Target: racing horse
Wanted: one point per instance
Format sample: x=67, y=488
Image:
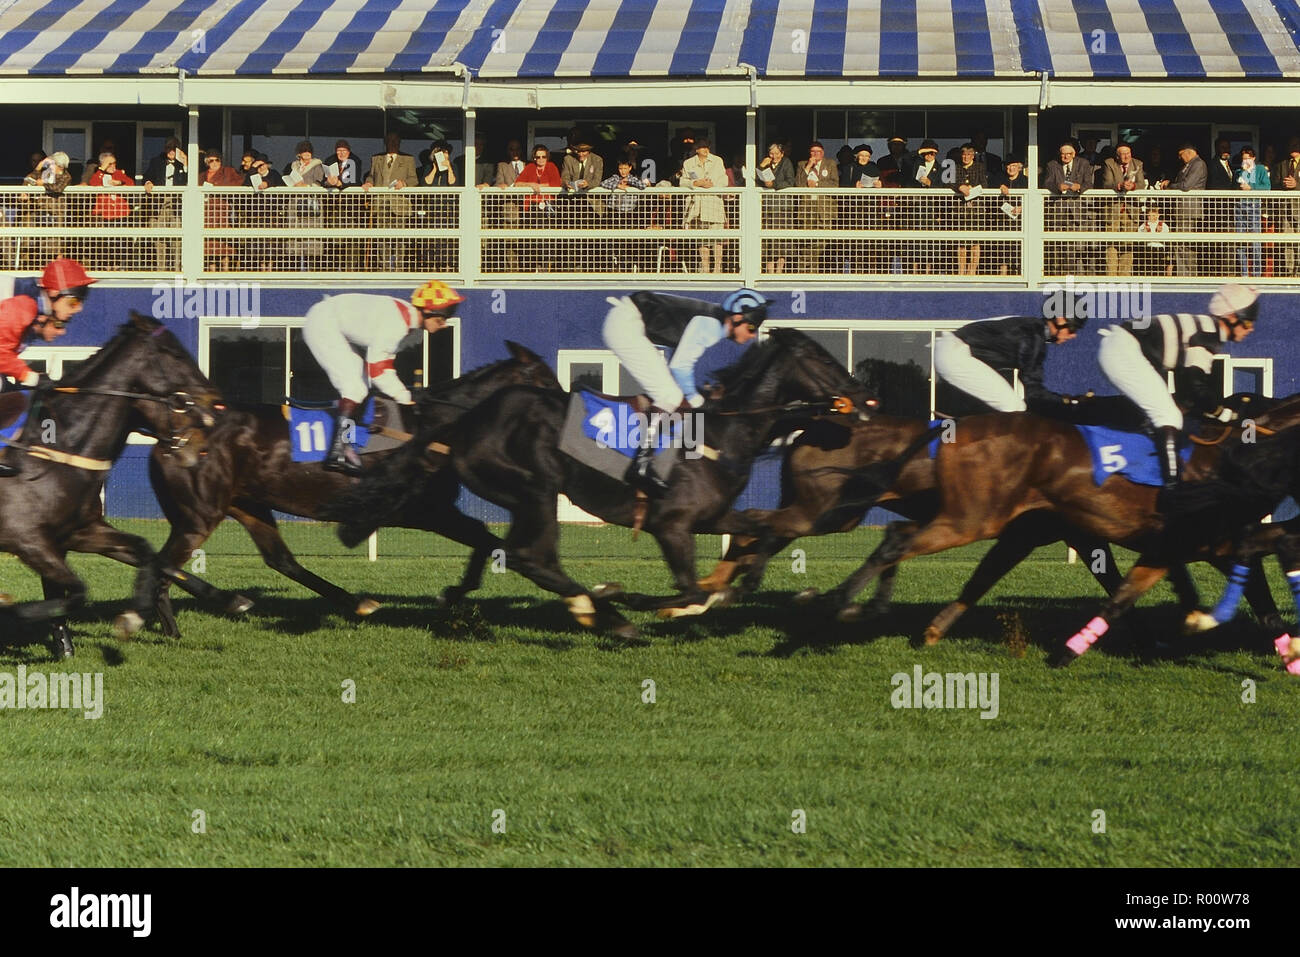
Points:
x=141, y=379
x=249, y=472
x=1001, y=466
x=507, y=451
x=813, y=476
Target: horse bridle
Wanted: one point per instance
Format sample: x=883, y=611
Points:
x=180, y=406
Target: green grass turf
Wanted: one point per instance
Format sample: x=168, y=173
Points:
x=761, y=709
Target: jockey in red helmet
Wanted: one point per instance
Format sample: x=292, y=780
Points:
x=63, y=288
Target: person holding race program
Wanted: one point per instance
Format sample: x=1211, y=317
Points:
x=60, y=295
x=337, y=325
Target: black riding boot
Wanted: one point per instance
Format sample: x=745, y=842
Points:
x=1167, y=449
x=640, y=474
x=342, y=457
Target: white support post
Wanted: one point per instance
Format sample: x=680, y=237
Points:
x=751, y=208
x=372, y=547
x=192, y=206
x=471, y=234
x=1031, y=244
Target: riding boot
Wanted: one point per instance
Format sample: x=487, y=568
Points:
x=1167, y=450
x=640, y=473
x=342, y=457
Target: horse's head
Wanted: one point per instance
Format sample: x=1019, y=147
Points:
x=790, y=367
x=530, y=368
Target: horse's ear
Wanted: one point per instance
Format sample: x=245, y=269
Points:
x=142, y=322
x=522, y=353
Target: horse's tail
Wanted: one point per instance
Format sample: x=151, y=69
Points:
x=865, y=485
x=388, y=488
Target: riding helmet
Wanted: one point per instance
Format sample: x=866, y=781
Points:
x=436, y=296
x=749, y=303
x=1235, y=299
x=65, y=277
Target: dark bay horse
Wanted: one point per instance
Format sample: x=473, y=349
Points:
x=1002, y=466
x=249, y=472
x=507, y=451
x=142, y=378
x=813, y=477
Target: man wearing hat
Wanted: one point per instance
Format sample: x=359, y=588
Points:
x=343, y=171
x=1137, y=355
x=582, y=170
x=1066, y=178
x=891, y=166
x=861, y=172
x=391, y=169
x=922, y=171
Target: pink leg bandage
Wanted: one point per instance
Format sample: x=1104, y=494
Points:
x=1283, y=646
x=1088, y=634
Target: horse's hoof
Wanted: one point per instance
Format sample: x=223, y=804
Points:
x=606, y=590
x=238, y=604
x=1198, y=621
x=726, y=597
x=689, y=611
x=849, y=614
x=1061, y=657
x=805, y=596
x=127, y=624
x=582, y=609
x=6, y=600
x=932, y=636
x=367, y=607
x=626, y=632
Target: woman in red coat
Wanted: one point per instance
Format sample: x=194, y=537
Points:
x=540, y=172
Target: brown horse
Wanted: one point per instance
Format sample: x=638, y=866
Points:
x=1002, y=466
x=814, y=475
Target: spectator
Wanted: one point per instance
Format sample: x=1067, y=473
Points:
x=439, y=170
x=918, y=172
x=50, y=210
x=776, y=172
x=344, y=170
x=891, y=167
x=508, y=171
x=860, y=172
x=624, y=187
x=921, y=171
x=736, y=170
x=990, y=161
x=581, y=171
x=816, y=213
x=1251, y=177
x=394, y=170
x=537, y=174
x=216, y=210
x=704, y=171
x=1012, y=177
x=683, y=149
x=969, y=181
x=504, y=213
x=306, y=211
x=1122, y=174
x=1066, y=178
x=1156, y=171
x=1156, y=253
x=1192, y=176
x=247, y=160
x=169, y=168
x=1088, y=152
x=1288, y=179
x=484, y=168
x=261, y=176
x=112, y=207
x=1221, y=175
x=92, y=166
x=844, y=159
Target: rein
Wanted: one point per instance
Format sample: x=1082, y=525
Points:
x=1228, y=429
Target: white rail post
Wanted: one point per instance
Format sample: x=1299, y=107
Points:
x=372, y=547
x=471, y=220
x=1031, y=242
x=192, y=206
x=751, y=240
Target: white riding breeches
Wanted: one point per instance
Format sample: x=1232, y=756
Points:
x=956, y=366
x=1124, y=364
x=337, y=357
x=624, y=334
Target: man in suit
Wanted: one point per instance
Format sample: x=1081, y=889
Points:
x=396, y=170
x=1220, y=175
x=1192, y=176
x=1066, y=178
x=169, y=168
x=581, y=171
x=1122, y=173
x=816, y=213
x=1287, y=178
x=508, y=171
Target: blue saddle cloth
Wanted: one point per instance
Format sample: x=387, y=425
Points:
x=310, y=431
x=1130, y=454
x=617, y=425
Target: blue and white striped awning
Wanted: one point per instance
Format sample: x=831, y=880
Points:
x=653, y=38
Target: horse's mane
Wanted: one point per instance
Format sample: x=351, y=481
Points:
x=104, y=356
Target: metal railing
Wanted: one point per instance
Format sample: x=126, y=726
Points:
x=491, y=234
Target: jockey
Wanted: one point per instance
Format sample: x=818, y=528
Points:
x=337, y=324
x=707, y=345
x=62, y=291
x=1136, y=356
x=974, y=357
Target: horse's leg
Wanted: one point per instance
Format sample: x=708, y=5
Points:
x=1288, y=556
x=100, y=538
x=260, y=524
x=179, y=548
x=740, y=553
x=1140, y=579
x=64, y=591
x=1013, y=547
x=899, y=537
x=531, y=551
x=59, y=633
x=454, y=524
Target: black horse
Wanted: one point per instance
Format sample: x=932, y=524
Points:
x=141, y=379
x=507, y=451
x=249, y=472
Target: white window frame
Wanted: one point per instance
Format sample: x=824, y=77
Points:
x=566, y=359
x=1233, y=363
x=47, y=136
